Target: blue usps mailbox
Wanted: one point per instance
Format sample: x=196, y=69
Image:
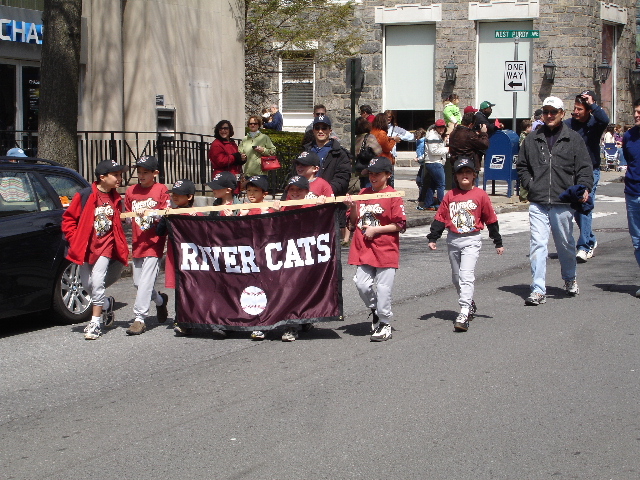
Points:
x=500, y=159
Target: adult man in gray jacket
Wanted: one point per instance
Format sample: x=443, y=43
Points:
x=552, y=159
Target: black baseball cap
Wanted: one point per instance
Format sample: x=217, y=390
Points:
x=308, y=158
x=183, y=187
x=464, y=162
x=298, y=181
x=259, y=181
x=148, y=162
x=380, y=164
x=322, y=119
x=223, y=180
x=108, y=166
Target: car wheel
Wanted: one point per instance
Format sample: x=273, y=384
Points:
x=71, y=302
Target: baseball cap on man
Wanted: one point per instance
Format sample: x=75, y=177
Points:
x=298, y=181
x=183, y=187
x=308, y=158
x=259, y=181
x=16, y=152
x=108, y=166
x=148, y=162
x=380, y=164
x=554, y=102
x=223, y=180
x=440, y=123
x=464, y=162
x=322, y=119
x=470, y=109
x=486, y=104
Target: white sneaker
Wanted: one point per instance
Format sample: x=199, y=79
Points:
x=290, y=335
x=92, y=331
x=571, y=287
x=257, y=335
x=638, y=293
x=382, y=333
x=590, y=252
x=582, y=256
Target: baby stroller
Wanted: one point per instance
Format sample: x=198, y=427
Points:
x=610, y=157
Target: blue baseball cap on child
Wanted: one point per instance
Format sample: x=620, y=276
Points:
x=259, y=181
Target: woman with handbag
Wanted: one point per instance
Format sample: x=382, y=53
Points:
x=255, y=146
x=367, y=147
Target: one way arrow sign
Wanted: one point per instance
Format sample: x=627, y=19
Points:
x=515, y=76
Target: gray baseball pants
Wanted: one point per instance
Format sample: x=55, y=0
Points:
x=145, y=272
x=97, y=277
x=374, y=286
x=464, y=250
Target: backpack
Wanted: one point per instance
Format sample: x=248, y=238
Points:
x=364, y=156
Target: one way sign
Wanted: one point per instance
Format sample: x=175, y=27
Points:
x=515, y=76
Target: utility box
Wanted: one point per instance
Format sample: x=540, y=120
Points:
x=500, y=159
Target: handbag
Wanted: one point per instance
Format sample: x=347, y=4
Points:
x=270, y=162
x=364, y=156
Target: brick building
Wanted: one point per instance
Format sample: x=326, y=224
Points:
x=407, y=47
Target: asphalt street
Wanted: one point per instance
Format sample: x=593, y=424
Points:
x=527, y=393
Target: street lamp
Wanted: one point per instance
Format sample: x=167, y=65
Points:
x=450, y=71
x=604, y=70
x=550, y=68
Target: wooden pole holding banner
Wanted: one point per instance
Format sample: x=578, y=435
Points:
x=246, y=206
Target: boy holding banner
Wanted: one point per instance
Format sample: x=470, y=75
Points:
x=375, y=248
x=147, y=245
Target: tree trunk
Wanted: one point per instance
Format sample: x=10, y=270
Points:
x=59, y=78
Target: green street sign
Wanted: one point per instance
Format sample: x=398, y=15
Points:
x=517, y=33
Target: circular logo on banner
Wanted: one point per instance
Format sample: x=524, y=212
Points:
x=253, y=300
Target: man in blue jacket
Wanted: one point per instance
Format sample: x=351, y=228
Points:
x=276, y=119
x=590, y=120
x=553, y=159
x=631, y=149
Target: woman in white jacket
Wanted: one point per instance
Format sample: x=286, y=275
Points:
x=435, y=155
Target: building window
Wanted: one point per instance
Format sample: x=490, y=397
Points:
x=297, y=81
x=30, y=4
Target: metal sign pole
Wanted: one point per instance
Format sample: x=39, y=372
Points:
x=515, y=94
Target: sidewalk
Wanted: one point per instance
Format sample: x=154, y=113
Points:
x=501, y=202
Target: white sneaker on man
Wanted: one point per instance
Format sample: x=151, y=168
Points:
x=590, y=252
x=582, y=256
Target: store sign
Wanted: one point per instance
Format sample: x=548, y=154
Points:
x=23, y=32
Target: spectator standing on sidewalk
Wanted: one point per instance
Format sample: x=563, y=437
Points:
x=590, y=121
x=552, y=160
x=631, y=149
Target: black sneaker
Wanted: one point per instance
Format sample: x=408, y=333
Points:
x=462, y=323
x=108, y=317
x=161, y=311
x=472, y=310
x=375, y=320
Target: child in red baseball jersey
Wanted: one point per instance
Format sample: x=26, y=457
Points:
x=257, y=188
x=223, y=185
x=307, y=166
x=375, y=247
x=97, y=242
x=147, y=246
x=464, y=211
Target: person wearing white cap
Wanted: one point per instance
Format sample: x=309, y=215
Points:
x=552, y=160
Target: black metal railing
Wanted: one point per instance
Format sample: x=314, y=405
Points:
x=180, y=154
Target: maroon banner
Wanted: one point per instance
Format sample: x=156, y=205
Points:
x=259, y=270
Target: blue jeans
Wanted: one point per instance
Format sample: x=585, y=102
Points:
x=587, y=239
x=557, y=218
x=633, y=217
x=436, y=172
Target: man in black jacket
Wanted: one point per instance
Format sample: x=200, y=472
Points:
x=482, y=118
x=551, y=160
x=335, y=164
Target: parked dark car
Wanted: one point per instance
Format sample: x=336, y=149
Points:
x=34, y=275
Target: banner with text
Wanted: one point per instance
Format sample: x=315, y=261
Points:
x=257, y=271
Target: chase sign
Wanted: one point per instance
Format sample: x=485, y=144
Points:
x=23, y=32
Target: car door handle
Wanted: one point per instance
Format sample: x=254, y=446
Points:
x=51, y=228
